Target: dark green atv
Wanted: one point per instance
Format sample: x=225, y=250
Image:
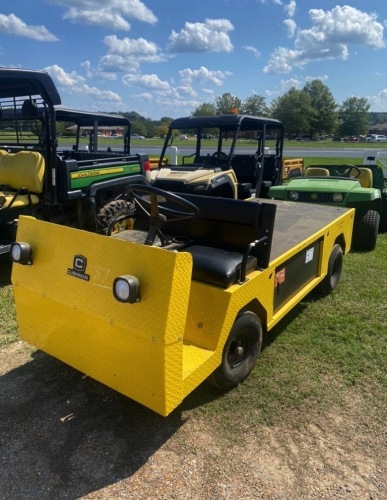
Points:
x=76, y=187
x=359, y=187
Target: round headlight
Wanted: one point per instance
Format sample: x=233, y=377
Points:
x=126, y=289
x=21, y=253
x=338, y=197
x=293, y=195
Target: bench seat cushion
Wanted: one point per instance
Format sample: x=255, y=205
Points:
x=24, y=169
x=218, y=267
x=22, y=200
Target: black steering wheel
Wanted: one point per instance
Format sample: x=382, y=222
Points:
x=220, y=156
x=349, y=169
x=160, y=214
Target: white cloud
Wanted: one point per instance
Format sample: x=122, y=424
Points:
x=126, y=54
x=255, y=51
x=75, y=84
x=348, y=25
x=203, y=75
x=329, y=37
x=379, y=101
x=129, y=48
x=283, y=60
x=210, y=36
x=290, y=8
x=13, y=25
x=291, y=27
x=112, y=14
x=186, y=90
x=146, y=81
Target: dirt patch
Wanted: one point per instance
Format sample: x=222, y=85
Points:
x=65, y=436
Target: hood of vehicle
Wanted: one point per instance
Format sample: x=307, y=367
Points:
x=323, y=185
x=182, y=175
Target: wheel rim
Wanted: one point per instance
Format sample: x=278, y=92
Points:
x=122, y=225
x=237, y=352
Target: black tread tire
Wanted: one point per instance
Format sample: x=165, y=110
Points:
x=110, y=212
x=365, y=230
x=383, y=214
x=246, y=334
x=335, y=266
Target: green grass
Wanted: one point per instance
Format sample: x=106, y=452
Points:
x=332, y=161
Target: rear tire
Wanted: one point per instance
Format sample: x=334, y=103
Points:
x=365, y=230
x=383, y=214
x=240, y=352
x=335, y=266
x=115, y=217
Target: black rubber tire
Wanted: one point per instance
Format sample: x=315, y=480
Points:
x=112, y=211
x=335, y=266
x=240, y=352
x=365, y=230
x=383, y=214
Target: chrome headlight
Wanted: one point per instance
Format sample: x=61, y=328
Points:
x=293, y=195
x=337, y=197
x=21, y=253
x=126, y=289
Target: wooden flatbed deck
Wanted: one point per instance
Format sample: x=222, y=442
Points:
x=294, y=222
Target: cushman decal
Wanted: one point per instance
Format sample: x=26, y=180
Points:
x=79, y=268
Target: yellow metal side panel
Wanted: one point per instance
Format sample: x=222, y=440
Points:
x=133, y=348
x=212, y=312
x=340, y=227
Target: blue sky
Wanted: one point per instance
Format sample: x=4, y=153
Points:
x=166, y=57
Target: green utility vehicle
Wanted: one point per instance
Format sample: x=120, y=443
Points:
x=360, y=187
x=76, y=185
x=234, y=156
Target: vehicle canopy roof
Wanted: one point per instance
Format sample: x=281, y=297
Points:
x=87, y=119
x=16, y=82
x=226, y=122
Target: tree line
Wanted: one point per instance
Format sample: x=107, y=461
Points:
x=310, y=111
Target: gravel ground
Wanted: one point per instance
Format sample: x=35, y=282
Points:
x=64, y=436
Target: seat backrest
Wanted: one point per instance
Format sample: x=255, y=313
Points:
x=228, y=224
x=316, y=172
x=245, y=168
x=365, y=177
x=24, y=169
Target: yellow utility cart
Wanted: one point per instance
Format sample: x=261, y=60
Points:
x=183, y=297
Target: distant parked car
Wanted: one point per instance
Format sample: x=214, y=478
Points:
x=377, y=138
x=136, y=136
x=183, y=137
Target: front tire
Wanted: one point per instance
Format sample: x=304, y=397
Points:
x=365, y=230
x=115, y=217
x=240, y=352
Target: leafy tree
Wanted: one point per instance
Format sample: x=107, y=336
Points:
x=377, y=117
x=225, y=103
x=294, y=109
x=255, y=105
x=324, y=120
x=205, y=109
x=354, y=116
